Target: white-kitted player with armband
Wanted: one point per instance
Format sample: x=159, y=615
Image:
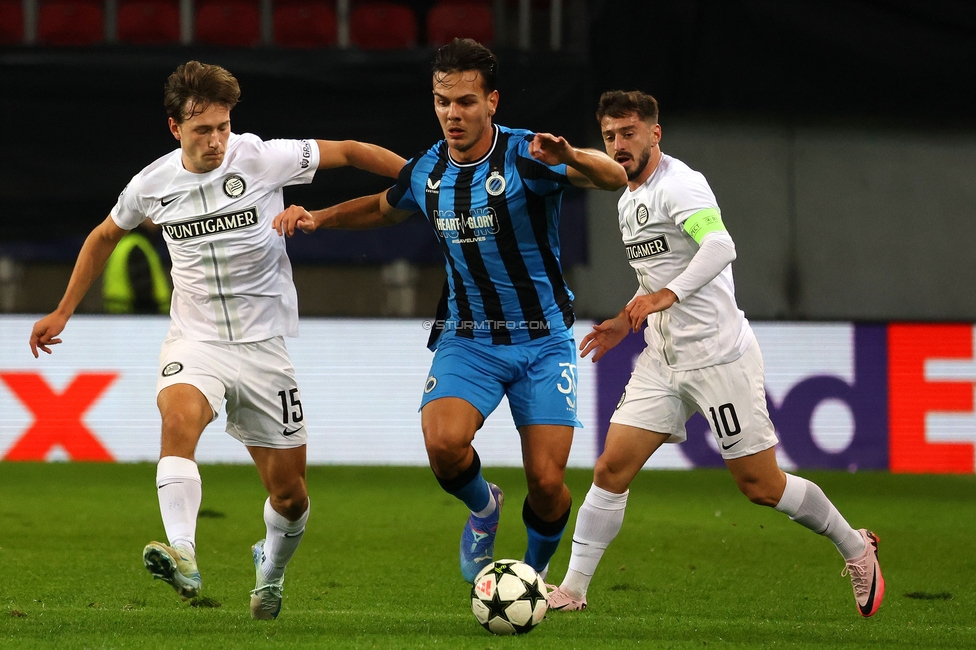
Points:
x=701, y=355
x=233, y=302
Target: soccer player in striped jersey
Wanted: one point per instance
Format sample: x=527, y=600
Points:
x=492, y=195
x=701, y=355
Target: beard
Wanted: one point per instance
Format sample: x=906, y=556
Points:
x=641, y=164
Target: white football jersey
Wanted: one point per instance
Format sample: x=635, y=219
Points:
x=707, y=327
x=232, y=280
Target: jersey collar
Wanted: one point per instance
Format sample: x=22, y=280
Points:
x=494, y=141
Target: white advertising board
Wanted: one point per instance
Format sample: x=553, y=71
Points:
x=361, y=382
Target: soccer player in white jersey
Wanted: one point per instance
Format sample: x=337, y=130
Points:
x=233, y=301
x=701, y=355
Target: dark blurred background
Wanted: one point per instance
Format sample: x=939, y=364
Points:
x=838, y=136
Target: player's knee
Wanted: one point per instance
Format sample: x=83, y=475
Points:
x=445, y=444
x=180, y=432
x=547, y=486
x=290, y=504
x=610, y=477
x=759, y=493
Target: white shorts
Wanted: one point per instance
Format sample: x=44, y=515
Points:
x=731, y=396
x=264, y=407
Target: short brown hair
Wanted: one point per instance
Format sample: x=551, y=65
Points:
x=464, y=55
x=619, y=103
x=201, y=85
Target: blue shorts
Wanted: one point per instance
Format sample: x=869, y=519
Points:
x=539, y=378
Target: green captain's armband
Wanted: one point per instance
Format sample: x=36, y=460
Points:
x=703, y=222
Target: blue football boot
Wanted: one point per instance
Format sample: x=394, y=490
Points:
x=478, y=539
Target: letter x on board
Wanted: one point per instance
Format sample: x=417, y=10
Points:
x=57, y=416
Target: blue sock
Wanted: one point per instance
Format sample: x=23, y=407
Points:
x=469, y=486
x=544, y=536
x=541, y=549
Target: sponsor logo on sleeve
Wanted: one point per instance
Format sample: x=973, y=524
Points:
x=172, y=368
x=306, y=154
x=211, y=225
x=234, y=186
x=648, y=248
x=431, y=384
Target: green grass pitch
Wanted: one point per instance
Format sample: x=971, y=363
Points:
x=695, y=566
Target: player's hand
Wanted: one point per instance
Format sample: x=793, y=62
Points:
x=550, y=149
x=604, y=337
x=641, y=307
x=44, y=332
x=294, y=217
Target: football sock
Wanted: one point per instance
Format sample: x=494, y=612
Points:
x=470, y=487
x=807, y=505
x=598, y=521
x=282, y=540
x=180, y=491
x=543, y=536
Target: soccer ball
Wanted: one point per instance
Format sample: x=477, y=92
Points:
x=508, y=597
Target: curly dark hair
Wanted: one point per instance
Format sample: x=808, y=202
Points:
x=620, y=103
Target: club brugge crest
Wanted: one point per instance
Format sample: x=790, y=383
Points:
x=642, y=214
x=234, y=186
x=495, y=184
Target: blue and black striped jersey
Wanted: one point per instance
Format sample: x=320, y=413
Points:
x=497, y=221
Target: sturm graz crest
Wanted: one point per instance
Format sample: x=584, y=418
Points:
x=234, y=186
x=642, y=214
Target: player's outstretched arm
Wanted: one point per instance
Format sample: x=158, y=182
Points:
x=91, y=261
x=358, y=214
x=361, y=155
x=585, y=167
x=605, y=336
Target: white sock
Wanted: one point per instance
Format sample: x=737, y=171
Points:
x=180, y=491
x=597, y=523
x=281, y=541
x=488, y=509
x=807, y=505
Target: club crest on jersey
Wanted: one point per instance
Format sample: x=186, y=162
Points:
x=648, y=248
x=234, y=186
x=495, y=184
x=433, y=187
x=642, y=214
x=211, y=225
x=172, y=368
